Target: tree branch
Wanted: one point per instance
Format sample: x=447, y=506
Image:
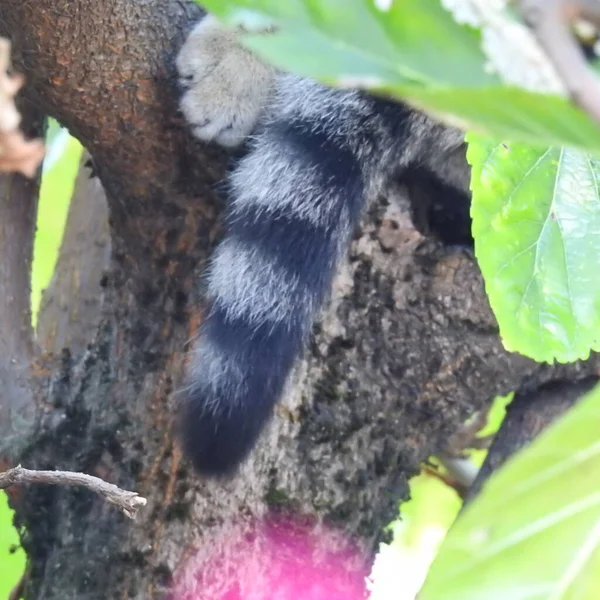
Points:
x=116, y=94
x=550, y=21
x=512, y=49
x=128, y=502
x=544, y=57
x=18, y=207
x=71, y=305
x=530, y=412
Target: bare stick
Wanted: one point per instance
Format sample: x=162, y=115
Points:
x=460, y=470
x=545, y=56
x=453, y=457
x=128, y=502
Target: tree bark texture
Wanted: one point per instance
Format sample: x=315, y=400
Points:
x=407, y=350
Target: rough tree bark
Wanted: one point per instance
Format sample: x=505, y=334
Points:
x=406, y=352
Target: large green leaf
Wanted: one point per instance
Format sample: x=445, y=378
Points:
x=512, y=114
x=534, y=531
x=415, y=52
x=536, y=224
x=352, y=38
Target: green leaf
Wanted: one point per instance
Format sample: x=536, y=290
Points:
x=536, y=224
x=512, y=114
x=346, y=64
x=433, y=44
x=413, y=52
x=534, y=531
x=355, y=39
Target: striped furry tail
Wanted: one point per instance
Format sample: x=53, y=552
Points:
x=296, y=199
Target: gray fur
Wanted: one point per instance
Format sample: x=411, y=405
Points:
x=248, y=285
x=227, y=86
x=270, y=183
x=219, y=370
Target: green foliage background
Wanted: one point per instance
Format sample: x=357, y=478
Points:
x=534, y=530
x=12, y=557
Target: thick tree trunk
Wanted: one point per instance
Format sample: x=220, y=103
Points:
x=406, y=352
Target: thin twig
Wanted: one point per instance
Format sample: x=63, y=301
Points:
x=128, y=502
x=454, y=458
x=529, y=413
x=467, y=436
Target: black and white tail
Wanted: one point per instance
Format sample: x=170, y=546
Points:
x=295, y=200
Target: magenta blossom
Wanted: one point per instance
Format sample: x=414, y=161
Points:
x=274, y=559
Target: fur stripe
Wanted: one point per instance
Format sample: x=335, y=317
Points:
x=296, y=187
x=275, y=264
x=247, y=283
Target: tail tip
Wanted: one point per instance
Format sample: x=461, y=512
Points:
x=216, y=440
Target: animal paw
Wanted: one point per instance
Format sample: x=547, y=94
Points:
x=226, y=86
